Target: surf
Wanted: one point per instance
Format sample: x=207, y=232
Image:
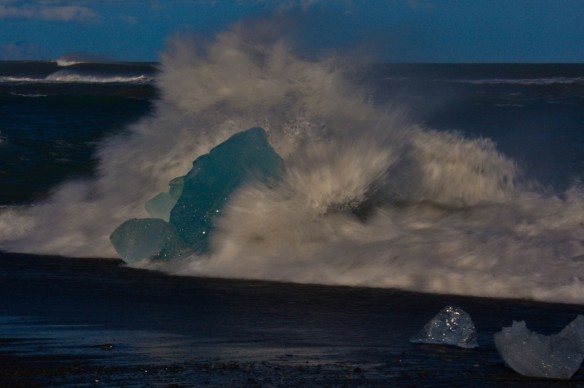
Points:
x=369, y=197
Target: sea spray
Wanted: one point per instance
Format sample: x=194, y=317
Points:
x=368, y=198
x=205, y=98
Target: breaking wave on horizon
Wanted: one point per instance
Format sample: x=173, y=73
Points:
x=439, y=212
x=56, y=73
x=65, y=76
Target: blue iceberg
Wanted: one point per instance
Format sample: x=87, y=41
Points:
x=243, y=158
x=148, y=238
x=194, y=201
x=161, y=205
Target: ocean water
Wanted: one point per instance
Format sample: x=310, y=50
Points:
x=466, y=178
x=53, y=118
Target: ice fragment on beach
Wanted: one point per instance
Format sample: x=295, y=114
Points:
x=243, y=158
x=148, y=238
x=531, y=354
x=161, y=205
x=451, y=326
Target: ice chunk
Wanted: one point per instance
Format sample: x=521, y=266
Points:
x=176, y=187
x=194, y=201
x=531, y=354
x=243, y=158
x=451, y=326
x=148, y=238
x=161, y=205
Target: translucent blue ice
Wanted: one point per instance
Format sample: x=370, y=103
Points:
x=161, y=205
x=451, y=326
x=147, y=238
x=194, y=201
x=556, y=356
x=243, y=158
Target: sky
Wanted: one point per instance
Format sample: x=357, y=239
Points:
x=425, y=31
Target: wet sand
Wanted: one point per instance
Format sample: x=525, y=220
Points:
x=70, y=321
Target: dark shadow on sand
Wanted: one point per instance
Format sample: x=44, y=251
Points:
x=68, y=321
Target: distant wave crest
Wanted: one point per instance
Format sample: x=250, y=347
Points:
x=66, y=76
x=68, y=62
x=524, y=81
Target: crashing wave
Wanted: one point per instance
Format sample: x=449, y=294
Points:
x=368, y=197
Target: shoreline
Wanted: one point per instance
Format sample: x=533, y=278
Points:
x=92, y=321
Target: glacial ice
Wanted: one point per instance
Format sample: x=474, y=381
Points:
x=194, y=201
x=161, y=205
x=147, y=238
x=243, y=158
x=451, y=326
x=556, y=356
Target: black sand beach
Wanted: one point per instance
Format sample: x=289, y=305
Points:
x=67, y=321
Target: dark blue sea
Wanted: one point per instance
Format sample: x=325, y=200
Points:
x=470, y=174
x=53, y=118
